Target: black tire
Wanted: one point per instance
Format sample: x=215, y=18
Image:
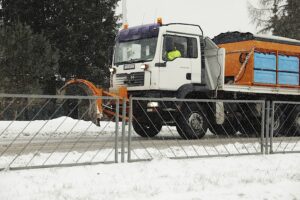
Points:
x=281, y=124
x=293, y=128
x=296, y=124
x=147, y=129
x=192, y=121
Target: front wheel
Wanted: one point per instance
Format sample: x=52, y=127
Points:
x=192, y=121
x=147, y=129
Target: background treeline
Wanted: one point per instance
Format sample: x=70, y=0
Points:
x=281, y=17
x=45, y=41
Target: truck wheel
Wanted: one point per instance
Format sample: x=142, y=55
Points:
x=192, y=122
x=281, y=125
x=146, y=128
x=297, y=124
x=294, y=129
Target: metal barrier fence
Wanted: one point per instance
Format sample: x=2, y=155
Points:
x=49, y=131
x=46, y=131
x=285, y=127
x=194, y=128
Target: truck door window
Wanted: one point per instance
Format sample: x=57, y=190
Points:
x=187, y=46
x=192, y=48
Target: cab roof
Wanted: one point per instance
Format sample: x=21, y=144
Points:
x=138, y=32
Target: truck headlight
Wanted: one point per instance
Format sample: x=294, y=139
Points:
x=144, y=67
x=113, y=70
x=153, y=105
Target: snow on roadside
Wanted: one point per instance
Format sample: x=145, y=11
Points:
x=54, y=127
x=247, y=177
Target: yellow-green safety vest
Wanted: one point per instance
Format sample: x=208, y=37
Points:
x=174, y=54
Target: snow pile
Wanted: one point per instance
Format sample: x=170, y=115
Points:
x=55, y=127
x=248, y=177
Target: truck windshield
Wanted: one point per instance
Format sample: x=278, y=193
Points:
x=142, y=50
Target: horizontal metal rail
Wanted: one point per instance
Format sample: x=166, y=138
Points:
x=54, y=96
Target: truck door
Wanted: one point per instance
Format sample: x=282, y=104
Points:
x=180, y=68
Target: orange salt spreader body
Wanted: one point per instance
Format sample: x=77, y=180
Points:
x=254, y=60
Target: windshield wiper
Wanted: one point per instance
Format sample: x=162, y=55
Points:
x=122, y=63
x=133, y=61
x=145, y=60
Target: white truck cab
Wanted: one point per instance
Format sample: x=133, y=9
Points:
x=141, y=63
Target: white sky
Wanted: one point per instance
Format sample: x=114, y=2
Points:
x=214, y=16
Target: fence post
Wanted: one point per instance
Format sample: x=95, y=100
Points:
x=123, y=130
x=267, y=128
x=129, y=130
x=262, y=136
x=116, y=130
x=272, y=127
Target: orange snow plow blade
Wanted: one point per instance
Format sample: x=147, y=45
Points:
x=89, y=89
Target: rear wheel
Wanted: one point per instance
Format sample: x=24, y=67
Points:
x=297, y=124
x=294, y=120
x=192, y=121
x=281, y=125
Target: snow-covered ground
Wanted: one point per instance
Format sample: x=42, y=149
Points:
x=244, y=177
x=248, y=177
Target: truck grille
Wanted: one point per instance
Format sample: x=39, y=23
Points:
x=132, y=79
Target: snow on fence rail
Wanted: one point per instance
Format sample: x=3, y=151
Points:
x=44, y=131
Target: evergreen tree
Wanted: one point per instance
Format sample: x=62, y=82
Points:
x=83, y=31
x=27, y=60
x=290, y=23
x=281, y=17
x=267, y=15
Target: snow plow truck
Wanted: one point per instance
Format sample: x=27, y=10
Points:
x=232, y=65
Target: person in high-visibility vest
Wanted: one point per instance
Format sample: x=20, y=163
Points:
x=171, y=51
x=174, y=54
